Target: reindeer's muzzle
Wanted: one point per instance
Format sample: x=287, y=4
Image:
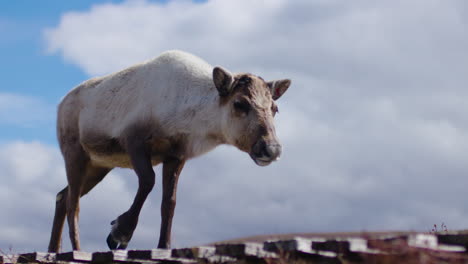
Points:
x=264, y=153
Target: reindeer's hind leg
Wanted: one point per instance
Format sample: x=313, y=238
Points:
x=59, y=220
x=76, y=165
x=93, y=176
x=82, y=176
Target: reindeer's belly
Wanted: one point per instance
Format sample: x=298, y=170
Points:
x=111, y=160
x=120, y=160
x=110, y=154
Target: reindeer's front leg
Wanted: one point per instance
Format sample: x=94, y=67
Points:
x=125, y=224
x=171, y=171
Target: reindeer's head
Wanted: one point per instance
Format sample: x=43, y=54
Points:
x=248, y=106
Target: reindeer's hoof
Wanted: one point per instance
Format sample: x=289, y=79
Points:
x=111, y=243
x=116, y=239
x=122, y=245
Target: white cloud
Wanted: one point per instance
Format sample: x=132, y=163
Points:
x=374, y=126
x=29, y=171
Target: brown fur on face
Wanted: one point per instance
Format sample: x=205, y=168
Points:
x=247, y=84
x=252, y=110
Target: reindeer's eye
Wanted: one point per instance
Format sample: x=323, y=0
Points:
x=242, y=107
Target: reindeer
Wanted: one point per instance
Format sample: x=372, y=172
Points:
x=166, y=110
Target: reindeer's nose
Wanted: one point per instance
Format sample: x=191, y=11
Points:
x=264, y=153
x=273, y=151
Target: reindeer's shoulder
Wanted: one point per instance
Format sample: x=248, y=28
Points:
x=181, y=61
x=178, y=56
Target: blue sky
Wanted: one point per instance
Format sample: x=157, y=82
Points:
x=27, y=69
x=23, y=49
x=374, y=126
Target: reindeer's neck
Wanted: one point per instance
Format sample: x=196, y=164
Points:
x=206, y=127
x=197, y=116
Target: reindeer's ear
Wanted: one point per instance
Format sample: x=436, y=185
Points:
x=223, y=81
x=279, y=87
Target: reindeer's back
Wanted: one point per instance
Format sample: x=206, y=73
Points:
x=152, y=92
